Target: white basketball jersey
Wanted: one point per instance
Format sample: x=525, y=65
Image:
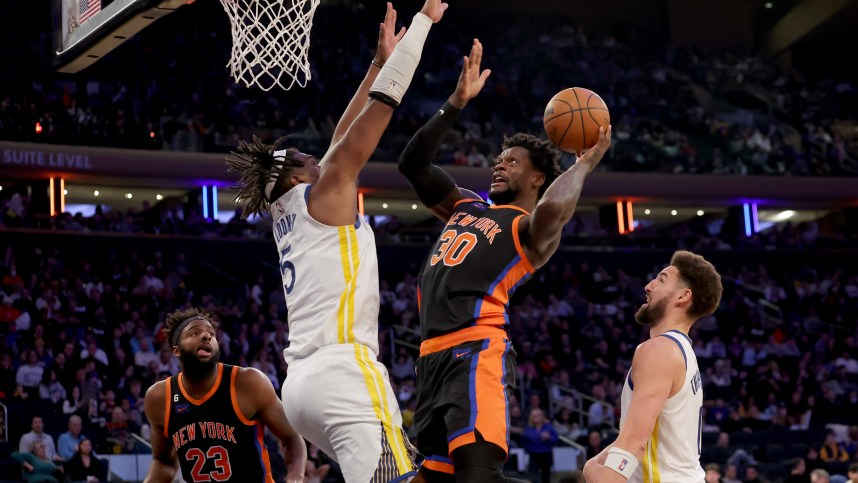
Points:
x=673, y=451
x=330, y=276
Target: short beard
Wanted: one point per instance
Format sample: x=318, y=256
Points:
x=504, y=197
x=651, y=314
x=193, y=368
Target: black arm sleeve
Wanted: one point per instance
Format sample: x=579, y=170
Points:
x=431, y=183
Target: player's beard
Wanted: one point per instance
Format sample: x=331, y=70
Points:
x=504, y=197
x=652, y=313
x=193, y=368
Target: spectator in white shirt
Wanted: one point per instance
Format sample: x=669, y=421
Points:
x=145, y=355
x=30, y=374
x=92, y=351
x=38, y=434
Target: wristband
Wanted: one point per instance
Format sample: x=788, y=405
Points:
x=622, y=462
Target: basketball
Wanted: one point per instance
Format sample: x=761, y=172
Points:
x=572, y=119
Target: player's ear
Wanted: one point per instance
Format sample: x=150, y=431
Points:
x=175, y=350
x=538, y=179
x=684, y=296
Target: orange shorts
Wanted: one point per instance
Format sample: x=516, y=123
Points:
x=464, y=380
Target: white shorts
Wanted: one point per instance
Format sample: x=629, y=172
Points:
x=340, y=399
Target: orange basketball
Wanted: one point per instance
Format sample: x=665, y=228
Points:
x=572, y=119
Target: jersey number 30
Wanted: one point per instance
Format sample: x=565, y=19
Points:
x=454, y=249
x=222, y=472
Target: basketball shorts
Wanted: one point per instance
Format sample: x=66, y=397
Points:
x=464, y=380
x=340, y=399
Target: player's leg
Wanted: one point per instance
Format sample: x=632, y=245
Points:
x=481, y=462
x=363, y=422
x=478, y=448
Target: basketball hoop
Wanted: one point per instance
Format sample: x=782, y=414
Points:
x=270, y=41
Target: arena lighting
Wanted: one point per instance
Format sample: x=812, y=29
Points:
x=630, y=216
x=63, y=196
x=673, y=212
x=769, y=5
x=205, y=202
x=65, y=192
x=38, y=128
x=413, y=207
x=646, y=211
x=621, y=224
x=755, y=219
x=783, y=216
x=128, y=196
x=360, y=203
x=214, y=201
x=747, y=209
x=700, y=212
x=51, y=195
x=159, y=197
x=384, y=205
x=95, y=193
x=1, y=188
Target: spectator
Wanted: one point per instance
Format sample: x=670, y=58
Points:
x=29, y=375
x=84, y=466
x=37, y=466
x=853, y=473
x=595, y=445
x=798, y=472
x=75, y=404
x=67, y=443
x=145, y=355
x=37, y=433
x=832, y=451
x=731, y=475
x=713, y=473
x=51, y=389
x=539, y=441
x=819, y=476
x=752, y=475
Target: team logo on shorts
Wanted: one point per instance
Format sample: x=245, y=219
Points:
x=461, y=353
x=182, y=408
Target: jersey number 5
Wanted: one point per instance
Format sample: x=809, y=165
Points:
x=222, y=472
x=454, y=249
x=287, y=267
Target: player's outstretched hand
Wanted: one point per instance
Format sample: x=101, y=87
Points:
x=434, y=9
x=591, y=157
x=388, y=37
x=471, y=80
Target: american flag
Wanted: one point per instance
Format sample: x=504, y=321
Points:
x=88, y=8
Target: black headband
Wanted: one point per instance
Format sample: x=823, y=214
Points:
x=179, y=328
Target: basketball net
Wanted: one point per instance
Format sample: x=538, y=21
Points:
x=270, y=41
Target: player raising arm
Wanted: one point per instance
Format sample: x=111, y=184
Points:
x=660, y=424
x=466, y=370
x=336, y=392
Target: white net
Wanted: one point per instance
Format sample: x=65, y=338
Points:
x=270, y=41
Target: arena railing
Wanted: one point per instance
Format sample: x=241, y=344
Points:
x=577, y=409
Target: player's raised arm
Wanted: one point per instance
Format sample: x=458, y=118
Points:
x=658, y=372
x=333, y=200
x=435, y=188
x=164, y=462
x=387, y=40
x=542, y=232
x=269, y=409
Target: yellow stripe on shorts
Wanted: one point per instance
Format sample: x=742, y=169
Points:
x=375, y=386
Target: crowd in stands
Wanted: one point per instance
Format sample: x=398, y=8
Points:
x=80, y=345
x=168, y=89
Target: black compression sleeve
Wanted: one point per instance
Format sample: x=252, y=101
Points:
x=431, y=183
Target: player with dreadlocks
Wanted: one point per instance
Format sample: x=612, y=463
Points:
x=211, y=416
x=336, y=393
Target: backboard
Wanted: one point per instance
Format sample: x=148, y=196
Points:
x=86, y=30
